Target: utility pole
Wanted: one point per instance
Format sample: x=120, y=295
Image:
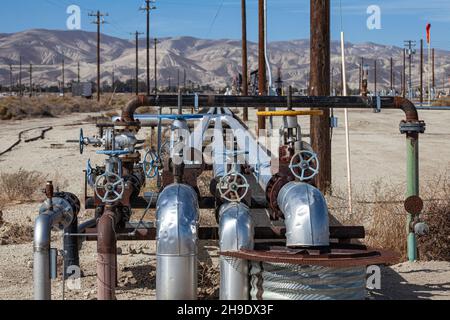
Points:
x=392, y=74
x=320, y=86
x=149, y=6
x=410, y=47
x=262, y=88
x=20, y=76
x=421, y=71
x=244, y=56
x=113, y=81
x=184, y=79
x=375, y=77
x=360, y=78
x=31, y=80
x=78, y=74
x=99, y=21
x=156, y=67
x=404, y=74
x=178, y=80
x=63, y=76
x=137, y=34
x=10, y=79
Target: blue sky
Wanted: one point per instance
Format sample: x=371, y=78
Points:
x=289, y=19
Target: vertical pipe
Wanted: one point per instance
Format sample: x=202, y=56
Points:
x=412, y=148
x=41, y=257
x=236, y=232
x=71, y=257
x=421, y=71
x=262, y=89
x=320, y=86
x=148, y=46
x=177, y=216
x=244, y=57
x=106, y=256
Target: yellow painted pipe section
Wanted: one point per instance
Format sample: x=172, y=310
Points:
x=290, y=113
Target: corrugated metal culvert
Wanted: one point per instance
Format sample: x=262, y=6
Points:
x=277, y=281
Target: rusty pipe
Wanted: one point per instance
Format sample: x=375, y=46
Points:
x=135, y=103
x=106, y=256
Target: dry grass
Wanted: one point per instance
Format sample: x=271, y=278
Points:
x=209, y=281
x=380, y=208
x=443, y=102
x=20, y=186
x=15, y=108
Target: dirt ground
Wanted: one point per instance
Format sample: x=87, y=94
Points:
x=378, y=152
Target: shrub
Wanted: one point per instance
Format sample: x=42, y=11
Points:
x=20, y=186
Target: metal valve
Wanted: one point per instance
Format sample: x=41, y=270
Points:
x=233, y=187
x=109, y=187
x=151, y=164
x=304, y=165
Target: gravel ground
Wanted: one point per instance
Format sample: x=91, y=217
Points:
x=375, y=138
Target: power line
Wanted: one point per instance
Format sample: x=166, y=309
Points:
x=215, y=18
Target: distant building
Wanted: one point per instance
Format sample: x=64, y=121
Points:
x=82, y=89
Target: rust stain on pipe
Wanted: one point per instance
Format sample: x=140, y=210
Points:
x=106, y=257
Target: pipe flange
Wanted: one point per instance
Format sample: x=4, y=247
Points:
x=273, y=189
x=407, y=127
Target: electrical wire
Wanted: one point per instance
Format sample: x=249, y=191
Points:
x=215, y=18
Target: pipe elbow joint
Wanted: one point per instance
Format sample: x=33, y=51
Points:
x=306, y=215
x=177, y=214
x=236, y=227
x=42, y=232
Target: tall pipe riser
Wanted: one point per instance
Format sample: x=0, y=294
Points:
x=177, y=214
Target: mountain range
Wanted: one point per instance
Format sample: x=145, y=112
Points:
x=213, y=62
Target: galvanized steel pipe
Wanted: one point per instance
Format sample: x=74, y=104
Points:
x=177, y=215
x=236, y=232
x=306, y=215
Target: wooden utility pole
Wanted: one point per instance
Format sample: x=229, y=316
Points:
x=20, y=77
x=184, y=79
x=262, y=78
x=421, y=70
x=392, y=74
x=320, y=86
x=98, y=21
x=360, y=78
x=375, y=76
x=31, y=80
x=404, y=74
x=78, y=66
x=148, y=7
x=178, y=80
x=156, y=66
x=137, y=34
x=244, y=56
x=63, y=77
x=11, y=79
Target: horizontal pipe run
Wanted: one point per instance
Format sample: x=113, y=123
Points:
x=352, y=102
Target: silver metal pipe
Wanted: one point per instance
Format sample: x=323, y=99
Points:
x=41, y=264
x=236, y=232
x=306, y=215
x=55, y=213
x=257, y=158
x=177, y=214
x=218, y=151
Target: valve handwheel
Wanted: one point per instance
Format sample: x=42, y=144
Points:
x=150, y=164
x=305, y=165
x=109, y=187
x=233, y=187
x=81, y=141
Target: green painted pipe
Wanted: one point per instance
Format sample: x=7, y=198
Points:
x=412, y=150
